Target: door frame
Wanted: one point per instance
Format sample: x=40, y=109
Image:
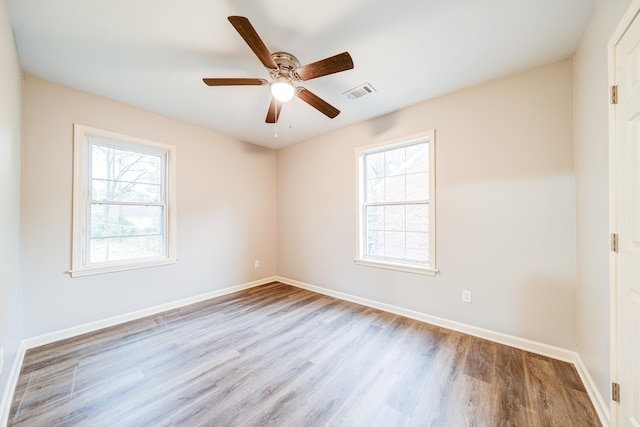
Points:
x=633, y=12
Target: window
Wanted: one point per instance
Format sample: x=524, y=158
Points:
x=124, y=212
x=396, y=209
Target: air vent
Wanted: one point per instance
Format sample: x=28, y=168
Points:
x=360, y=91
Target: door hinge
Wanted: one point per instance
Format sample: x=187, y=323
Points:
x=614, y=242
x=615, y=392
x=614, y=94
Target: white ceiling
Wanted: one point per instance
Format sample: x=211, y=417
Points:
x=153, y=54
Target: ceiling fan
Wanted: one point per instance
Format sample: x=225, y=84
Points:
x=284, y=69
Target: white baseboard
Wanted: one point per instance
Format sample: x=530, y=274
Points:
x=10, y=388
x=600, y=405
x=116, y=320
x=510, y=340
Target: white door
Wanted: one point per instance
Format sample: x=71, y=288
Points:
x=627, y=218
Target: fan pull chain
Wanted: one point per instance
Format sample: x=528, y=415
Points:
x=290, y=114
x=275, y=132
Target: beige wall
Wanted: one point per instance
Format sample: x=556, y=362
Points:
x=504, y=200
x=592, y=190
x=10, y=110
x=226, y=212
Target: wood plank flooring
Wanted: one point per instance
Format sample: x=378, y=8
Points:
x=276, y=355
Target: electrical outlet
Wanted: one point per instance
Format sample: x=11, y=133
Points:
x=466, y=296
x=256, y=263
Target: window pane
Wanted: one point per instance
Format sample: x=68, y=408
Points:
x=125, y=232
x=374, y=165
x=394, y=188
x=124, y=248
x=417, y=186
x=418, y=158
x=375, y=190
x=375, y=218
x=119, y=191
x=417, y=247
x=375, y=243
x=418, y=218
x=394, y=244
x=394, y=218
x=394, y=161
x=121, y=175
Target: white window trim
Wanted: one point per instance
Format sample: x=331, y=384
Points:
x=361, y=259
x=79, y=264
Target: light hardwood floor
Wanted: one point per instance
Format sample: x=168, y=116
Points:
x=279, y=355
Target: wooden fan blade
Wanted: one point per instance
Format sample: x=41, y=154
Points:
x=235, y=82
x=251, y=37
x=318, y=103
x=274, y=111
x=334, y=64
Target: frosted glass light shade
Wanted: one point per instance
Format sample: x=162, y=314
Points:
x=282, y=90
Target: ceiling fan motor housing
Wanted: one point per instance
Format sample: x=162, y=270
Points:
x=287, y=64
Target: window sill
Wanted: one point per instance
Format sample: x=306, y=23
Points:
x=396, y=266
x=120, y=267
